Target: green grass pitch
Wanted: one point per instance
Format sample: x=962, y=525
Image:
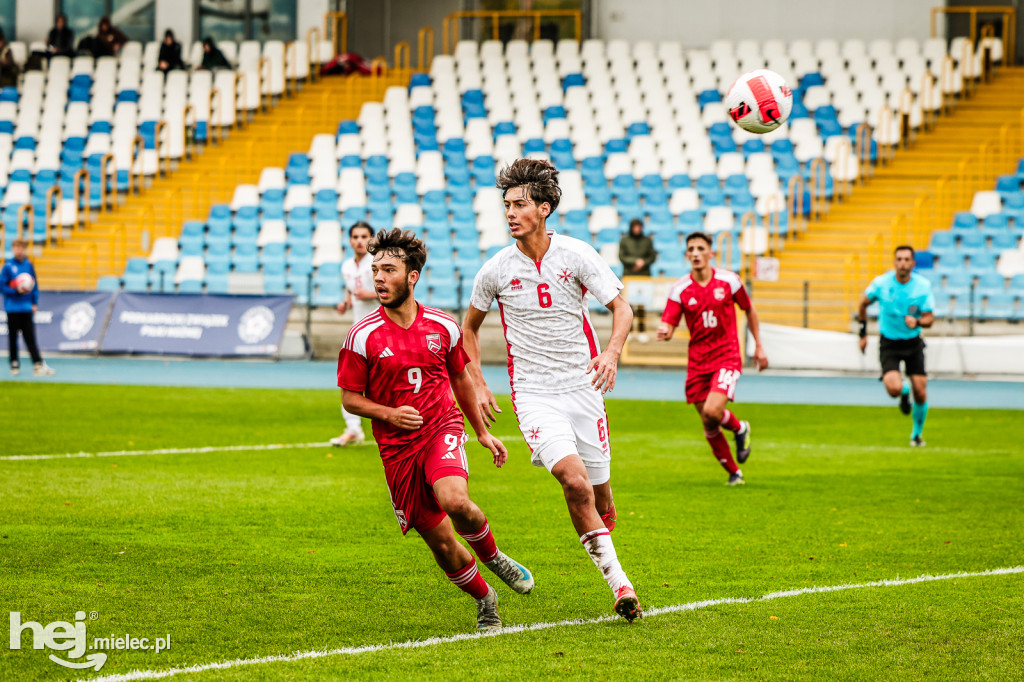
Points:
x=246, y=554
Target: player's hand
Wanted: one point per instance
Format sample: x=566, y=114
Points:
x=487, y=405
x=342, y=307
x=496, y=447
x=910, y=321
x=406, y=417
x=605, y=366
x=664, y=332
x=863, y=343
x=760, y=359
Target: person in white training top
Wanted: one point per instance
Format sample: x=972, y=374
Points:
x=361, y=298
x=557, y=371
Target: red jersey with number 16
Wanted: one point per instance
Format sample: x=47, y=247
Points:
x=394, y=367
x=710, y=315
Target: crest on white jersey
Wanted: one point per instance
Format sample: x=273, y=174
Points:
x=434, y=343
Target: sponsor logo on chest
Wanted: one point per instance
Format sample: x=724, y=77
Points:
x=516, y=284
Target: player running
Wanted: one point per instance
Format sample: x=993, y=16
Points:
x=541, y=284
x=907, y=306
x=361, y=299
x=706, y=298
x=399, y=367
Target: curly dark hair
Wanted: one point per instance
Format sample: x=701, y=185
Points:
x=539, y=178
x=401, y=244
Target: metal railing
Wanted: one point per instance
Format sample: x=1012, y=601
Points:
x=450, y=25
x=1007, y=14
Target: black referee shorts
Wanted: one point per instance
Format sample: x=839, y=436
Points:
x=910, y=352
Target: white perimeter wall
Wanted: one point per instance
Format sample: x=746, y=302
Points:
x=698, y=22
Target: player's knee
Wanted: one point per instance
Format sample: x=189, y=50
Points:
x=578, y=490
x=458, y=507
x=711, y=419
x=920, y=395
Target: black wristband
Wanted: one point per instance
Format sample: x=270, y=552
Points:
x=863, y=329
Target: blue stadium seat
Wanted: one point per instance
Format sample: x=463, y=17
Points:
x=964, y=220
x=245, y=258
x=108, y=283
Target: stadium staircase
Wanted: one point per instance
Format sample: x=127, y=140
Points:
x=813, y=266
x=209, y=177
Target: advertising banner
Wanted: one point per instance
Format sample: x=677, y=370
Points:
x=67, y=321
x=184, y=324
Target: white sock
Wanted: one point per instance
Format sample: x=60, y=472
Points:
x=598, y=544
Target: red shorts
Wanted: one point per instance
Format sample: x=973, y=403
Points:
x=698, y=386
x=412, y=469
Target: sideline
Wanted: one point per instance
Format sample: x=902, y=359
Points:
x=167, y=451
x=515, y=629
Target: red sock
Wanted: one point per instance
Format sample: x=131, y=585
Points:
x=730, y=422
x=609, y=518
x=469, y=580
x=482, y=542
x=720, y=448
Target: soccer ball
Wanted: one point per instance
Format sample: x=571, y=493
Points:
x=24, y=283
x=759, y=101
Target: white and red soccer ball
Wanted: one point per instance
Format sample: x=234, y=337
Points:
x=759, y=101
x=24, y=283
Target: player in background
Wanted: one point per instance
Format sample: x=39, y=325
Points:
x=907, y=306
x=361, y=299
x=557, y=373
x=707, y=298
x=399, y=367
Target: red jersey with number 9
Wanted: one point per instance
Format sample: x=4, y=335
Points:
x=710, y=315
x=394, y=367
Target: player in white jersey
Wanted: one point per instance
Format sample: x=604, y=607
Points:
x=557, y=371
x=361, y=299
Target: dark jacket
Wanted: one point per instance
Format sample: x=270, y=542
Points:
x=631, y=248
x=214, y=59
x=172, y=55
x=61, y=41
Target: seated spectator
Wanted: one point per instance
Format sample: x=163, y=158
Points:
x=9, y=69
x=170, y=53
x=213, y=58
x=61, y=40
x=636, y=251
x=106, y=43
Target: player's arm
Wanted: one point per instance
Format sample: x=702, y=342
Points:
x=862, y=320
x=464, y=389
x=754, y=325
x=7, y=282
x=346, y=303
x=404, y=417
x=484, y=403
x=670, y=319
x=605, y=365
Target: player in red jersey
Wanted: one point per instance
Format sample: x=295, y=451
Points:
x=707, y=298
x=399, y=367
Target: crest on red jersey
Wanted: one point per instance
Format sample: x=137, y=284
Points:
x=719, y=293
x=434, y=343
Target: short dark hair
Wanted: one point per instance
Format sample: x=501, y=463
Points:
x=905, y=247
x=538, y=177
x=401, y=244
x=635, y=221
x=700, y=235
x=360, y=224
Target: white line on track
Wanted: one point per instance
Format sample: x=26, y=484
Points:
x=515, y=629
x=167, y=451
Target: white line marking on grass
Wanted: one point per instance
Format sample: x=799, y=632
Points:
x=515, y=629
x=167, y=451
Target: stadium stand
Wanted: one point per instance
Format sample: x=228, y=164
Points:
x=655, y=144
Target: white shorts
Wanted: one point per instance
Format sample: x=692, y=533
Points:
x=573, y=423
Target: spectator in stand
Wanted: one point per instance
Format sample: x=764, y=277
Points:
x=20, y=304
x=213, y=58
x=170, y=53
x=9, y=69
x=107, y=42
x=61, y=40
x=636, y=251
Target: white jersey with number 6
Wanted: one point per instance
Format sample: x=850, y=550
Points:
x=543, y=309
